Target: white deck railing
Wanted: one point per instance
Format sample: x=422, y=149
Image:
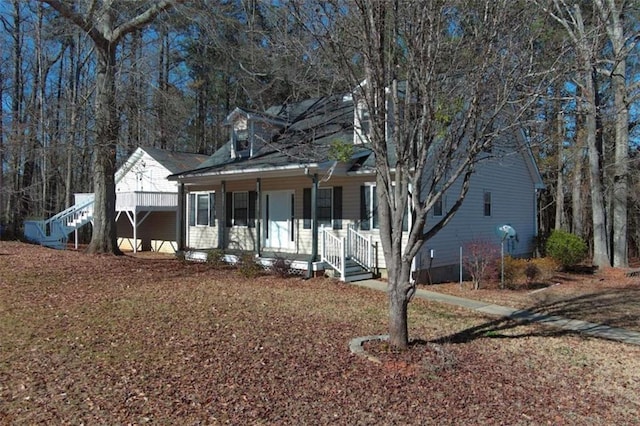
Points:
x=360, y=248
x=138, y=199
x=336, y=250
x=333, y=251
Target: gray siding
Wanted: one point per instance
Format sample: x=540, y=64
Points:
x=513, y=202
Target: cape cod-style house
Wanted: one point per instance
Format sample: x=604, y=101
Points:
x=275, y=190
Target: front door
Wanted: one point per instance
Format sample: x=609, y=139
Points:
x=278, y=219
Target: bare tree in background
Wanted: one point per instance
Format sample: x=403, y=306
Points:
x=624, y=39
x=106, y=22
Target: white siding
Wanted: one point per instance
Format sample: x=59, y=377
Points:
x=146, y=174
x=202, y=237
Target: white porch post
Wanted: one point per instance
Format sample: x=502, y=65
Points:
x=135, y=231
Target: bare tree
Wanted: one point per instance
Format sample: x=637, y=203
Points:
x=587, y=42
x=106, y=22
x=441, y=82
x=612, y=13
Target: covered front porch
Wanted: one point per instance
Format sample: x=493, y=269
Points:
x=349, y=258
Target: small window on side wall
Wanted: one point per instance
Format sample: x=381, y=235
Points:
x=487, y=203
x=438, y=207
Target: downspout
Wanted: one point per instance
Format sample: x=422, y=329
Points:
x=314, y=223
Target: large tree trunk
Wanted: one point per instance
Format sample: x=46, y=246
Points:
x=104, y=236
x=621, y=174
x=600, y=242
x=613, y=16
x=560, y=222
x=586, y=41
x=577, y=196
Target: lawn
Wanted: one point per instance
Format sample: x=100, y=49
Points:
x=132, y=340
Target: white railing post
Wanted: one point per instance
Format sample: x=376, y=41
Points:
x=323, y=250
x=343, y=259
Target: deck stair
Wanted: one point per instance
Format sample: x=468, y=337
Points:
x=351, y=257
x=54, y=232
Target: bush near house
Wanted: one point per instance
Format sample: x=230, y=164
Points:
x=479, y=261
x=566, y=248
x=519, y=272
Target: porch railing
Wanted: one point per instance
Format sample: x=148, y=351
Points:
x=333, y=251
x=141, y=199
x=355, y=246
x=360, y=248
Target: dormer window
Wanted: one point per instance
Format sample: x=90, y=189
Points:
x=241, y=141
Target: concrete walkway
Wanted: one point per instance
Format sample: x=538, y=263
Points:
x=589, y=328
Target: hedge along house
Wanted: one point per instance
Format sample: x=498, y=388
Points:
x=146, y=202
x=298, y=181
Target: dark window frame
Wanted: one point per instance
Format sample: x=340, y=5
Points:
x=198, y=214
x=486, y=200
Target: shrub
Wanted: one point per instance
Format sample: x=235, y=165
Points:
x=566, y=248
x=513, y=270
x=532, y=272
x=248, y=267
x=479, y=258
x=281, y=267
x=547, y=267
x=518, y=272
x=215, y=258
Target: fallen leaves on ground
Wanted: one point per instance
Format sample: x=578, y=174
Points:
x=608, y=296
x=139, y=339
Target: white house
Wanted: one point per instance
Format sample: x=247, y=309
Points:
x=147, y=202
x=273, y=190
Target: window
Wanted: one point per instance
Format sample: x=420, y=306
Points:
x=324, y=204
x=487, y=203
x=241, y=140
x=368, y=207
x=240, y=208
x=328, y=207
x=437, y=207
x=202, y=210
x=365, y=121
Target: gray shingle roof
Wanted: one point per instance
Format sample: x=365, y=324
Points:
x=176, y=162
x=313, y=125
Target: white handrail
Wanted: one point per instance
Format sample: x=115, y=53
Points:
x=360, y=248
x=333, y=252
x=355, y=246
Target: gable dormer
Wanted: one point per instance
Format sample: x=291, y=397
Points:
x=250, y=131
